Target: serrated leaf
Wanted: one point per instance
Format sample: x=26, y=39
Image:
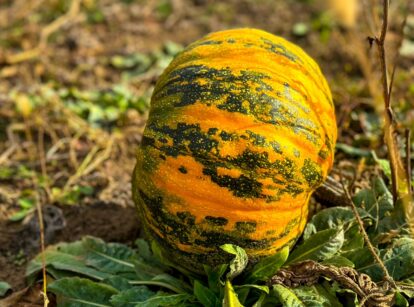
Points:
x=81, y=292
x=205, y=296
x=287, y=297
x=268, y=266
x=320, y=246
x=230, y=296
x=4, y=288
x=131, y=297
x=162, y=299
x=238, y=263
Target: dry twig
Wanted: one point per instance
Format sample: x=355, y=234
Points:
x=401, y=186
x=308, y=273
x=44, y=35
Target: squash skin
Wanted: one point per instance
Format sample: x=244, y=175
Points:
x=241, y=131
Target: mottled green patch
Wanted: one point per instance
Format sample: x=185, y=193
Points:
x=186, y=217
x=208, y=42
x=242, y=186
x=323, y=154
x=246, y=227
x=312, y=172
x=245, y=92
x=257, y=139
x=215, y=239
x=280, y=50
x=216, y=221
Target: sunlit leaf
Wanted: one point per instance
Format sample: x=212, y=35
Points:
x=320, y=246
x=238, y=263
x=81, y=292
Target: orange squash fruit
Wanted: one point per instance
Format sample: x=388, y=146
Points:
x=241, y=131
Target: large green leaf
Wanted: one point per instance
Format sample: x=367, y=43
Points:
x=399, y=261
x=164, y=299
x=287, y=297
x=238, y=263
x=81, y=292
x=131, y=297
x=376, y=201
x=268, y=266
x=320, y=246
x=112, y=258
x=205, y=295
x=64, y=262
x=335, y=217
x=317, y=295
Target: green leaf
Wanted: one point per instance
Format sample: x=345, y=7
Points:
x=377, y=200
x=264, y=289
x=26, y=203
x=335, y=217
x=175, y=283
x=383, y=164
x=20, y=215
x=205, y=295
x=238, y=263
x=400, y=300
x=352, y=151
x=339, y=261
x=230, y=296
x=131, y=297
x=359, y=257
x=112, y=258
x=118, y=282
x=268, y=266
x=398, y=259
x=81, y=292
x=320, y=246
x=4, y=288
x=65, y=262
x=353, y=239
x=287, y=296
x=162, y=299
x=214, y=277
x=260, y=301
x=317, y=295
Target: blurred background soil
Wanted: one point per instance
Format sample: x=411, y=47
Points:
x=75, y=81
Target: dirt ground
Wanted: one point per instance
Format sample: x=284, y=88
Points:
x=77, y=55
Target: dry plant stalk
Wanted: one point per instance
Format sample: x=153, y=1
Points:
x=401, y=186
x=44, y=35
x=308, y=273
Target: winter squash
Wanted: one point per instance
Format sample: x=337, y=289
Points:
x=240, y=132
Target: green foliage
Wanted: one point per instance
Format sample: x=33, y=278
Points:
x=4, y=288
x=117, y=275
